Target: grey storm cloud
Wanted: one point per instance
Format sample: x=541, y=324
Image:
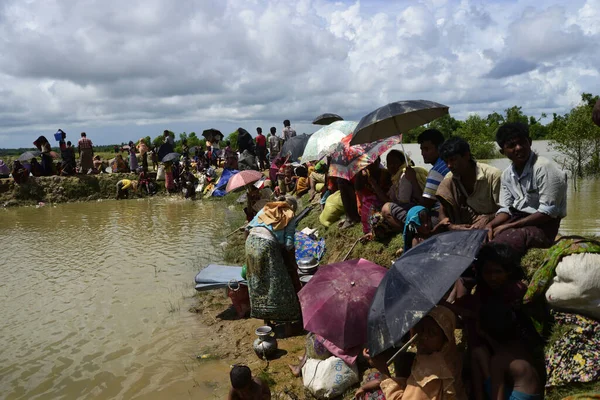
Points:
x=510, y=67
x=93, y=65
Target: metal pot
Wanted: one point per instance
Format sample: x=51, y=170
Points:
x=308, y=265
x=266, y=345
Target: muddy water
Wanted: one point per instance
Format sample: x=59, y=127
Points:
x=583, y=206
x=94, y=300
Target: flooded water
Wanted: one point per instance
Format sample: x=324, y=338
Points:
x=95, y=297
x=583, y=206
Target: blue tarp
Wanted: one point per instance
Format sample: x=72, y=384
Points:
x=222, y=183
x=216, y=276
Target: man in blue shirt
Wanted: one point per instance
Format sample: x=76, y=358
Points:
x=533, y=194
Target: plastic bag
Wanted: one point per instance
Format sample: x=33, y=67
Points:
x=333, y=210
x=160, y=174
x=329, y=378
x=576, y=286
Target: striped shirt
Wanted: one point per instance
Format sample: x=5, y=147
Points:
x=435, y=176
x=85, y=143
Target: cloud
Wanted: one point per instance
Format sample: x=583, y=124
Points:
x=115, y=68
x=510, y=67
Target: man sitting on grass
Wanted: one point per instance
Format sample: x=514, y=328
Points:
x=533, y=194
x=246, y=387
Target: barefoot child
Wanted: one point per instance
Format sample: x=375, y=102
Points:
x=245, y=387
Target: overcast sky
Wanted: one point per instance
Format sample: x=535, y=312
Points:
x=124, y=69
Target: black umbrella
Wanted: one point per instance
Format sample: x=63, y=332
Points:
x=396, y=118
x=171, y=157
x=326, y=119
x=245, y=141
x=28, y=155
x=213, y=135
x=294, y=147
x=416, y=283
x=165, y=149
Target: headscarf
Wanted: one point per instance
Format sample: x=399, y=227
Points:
x=445, y=364
x=277, y=214
x=410, y=225
x=3, y=168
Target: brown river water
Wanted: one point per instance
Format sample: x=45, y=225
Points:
x=94, y=300
x=94, y=297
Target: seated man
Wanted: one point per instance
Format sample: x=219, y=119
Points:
x=430, y=141
x=469, y=194
x=533, y=194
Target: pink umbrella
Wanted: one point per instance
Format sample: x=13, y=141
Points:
x=335, y=302
x=242, y=179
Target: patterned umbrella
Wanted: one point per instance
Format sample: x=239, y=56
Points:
x=242, y=179
x=396, y=118
x=325, y=137
x=335, y=302
x=347, y=161
x=326, y=119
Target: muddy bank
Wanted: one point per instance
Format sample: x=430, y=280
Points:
x=62, y=189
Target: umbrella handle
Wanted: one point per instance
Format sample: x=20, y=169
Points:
x=403, y=348
x=401, y=145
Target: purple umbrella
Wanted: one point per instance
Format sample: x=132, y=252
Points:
x=335, y=302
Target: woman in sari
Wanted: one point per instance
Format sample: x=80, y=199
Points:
x=133, y=162
x=272, y=271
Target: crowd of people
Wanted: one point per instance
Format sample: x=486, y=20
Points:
x=503, y=328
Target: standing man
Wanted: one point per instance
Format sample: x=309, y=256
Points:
x=533, y=194
x=274, y=144
x=288, y=132
x=169, y=139
x=86, y=153
x=261, y=149
x=596, y=113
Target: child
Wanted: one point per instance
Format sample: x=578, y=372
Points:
x=507, y=372
x=416, y=227
x=246, y=387
x=436, y=370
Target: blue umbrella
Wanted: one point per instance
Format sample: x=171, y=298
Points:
x=416, y=283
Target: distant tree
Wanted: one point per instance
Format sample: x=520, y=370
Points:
x=446, y=124
x=515, y=114
x=538, y=131
x=412, y=135
x=148, y=140
x=233, y=138
x=476, y=131
x=577, y=138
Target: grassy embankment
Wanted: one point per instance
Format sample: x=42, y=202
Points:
x=235, y=341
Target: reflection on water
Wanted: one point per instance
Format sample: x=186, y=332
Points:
x=95, y=300
x=583, y=205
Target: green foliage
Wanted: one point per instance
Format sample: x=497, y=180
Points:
x=233, y=138
x=575, y=136
x=480, y=136
x=446, y=124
